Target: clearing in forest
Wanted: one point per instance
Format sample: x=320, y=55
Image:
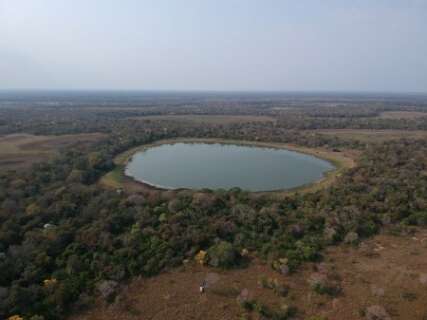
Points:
x=402, y=115
x=368, y=135
x=18, y=151
x=387, y=271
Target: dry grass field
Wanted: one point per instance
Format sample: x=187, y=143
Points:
x=373, y=135
x=388, y=271
x=402, y=115
x=18, y=151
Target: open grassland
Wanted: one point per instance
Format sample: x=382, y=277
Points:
x=114, y=179
x=388, y=270
x=209, y=119
x=402, y=115
x=341, y=159
x=18, y=151
x=370, y=136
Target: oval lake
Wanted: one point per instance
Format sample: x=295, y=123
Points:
x=214, y=166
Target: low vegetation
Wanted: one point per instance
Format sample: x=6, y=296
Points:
x=20, y=151
x=64, y=238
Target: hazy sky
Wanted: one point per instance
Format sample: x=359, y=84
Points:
x=375, y=45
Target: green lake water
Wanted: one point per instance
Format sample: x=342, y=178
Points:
x=214, y=166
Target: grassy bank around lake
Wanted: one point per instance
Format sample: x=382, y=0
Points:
x=342, y=160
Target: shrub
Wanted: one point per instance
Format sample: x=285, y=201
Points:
x=329, y=289
x=367, y=228
x=285, y=311
x=279, y=289
x=416, y=219
x=321, y=284
x=248, y=305
x=267, y=283
x=222, y=255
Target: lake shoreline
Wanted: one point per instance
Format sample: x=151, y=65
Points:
x=119, y=179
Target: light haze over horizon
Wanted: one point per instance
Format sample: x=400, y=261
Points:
x=242, y=45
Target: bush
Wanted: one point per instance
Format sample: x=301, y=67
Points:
x=367, y=228
x=329, y=289
x=321, y=284
x=279, y=288
x=222, y=255
x=285, y=311
x=248, y=305
x=416, y=219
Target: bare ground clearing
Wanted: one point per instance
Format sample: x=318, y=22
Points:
x=19, y=151
x=387, y=270
x=365, y=135
x=402, y=115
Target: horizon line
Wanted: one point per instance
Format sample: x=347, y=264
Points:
x=243, y=91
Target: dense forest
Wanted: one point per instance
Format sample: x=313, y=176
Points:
x=63, y=236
